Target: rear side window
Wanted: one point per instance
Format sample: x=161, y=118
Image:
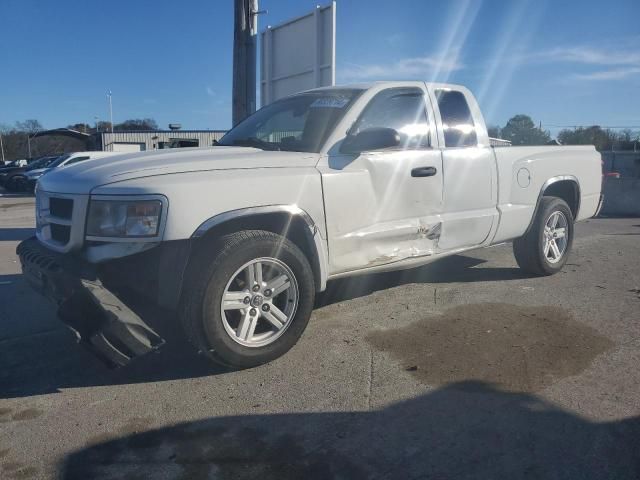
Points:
x=404, y=110
x=457, y=121
x=76, y=160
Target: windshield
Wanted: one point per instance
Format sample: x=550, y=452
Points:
x=42, y=163
x=300, y=123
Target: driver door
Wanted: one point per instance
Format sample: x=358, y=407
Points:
x=383, y=206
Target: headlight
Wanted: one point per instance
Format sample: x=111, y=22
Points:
x=124, y=218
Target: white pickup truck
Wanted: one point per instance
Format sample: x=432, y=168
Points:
x=238, y=238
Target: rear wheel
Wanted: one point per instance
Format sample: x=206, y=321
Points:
x=249, y=299
x=545, y=248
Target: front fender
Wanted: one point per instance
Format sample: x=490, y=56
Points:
x=279, y=219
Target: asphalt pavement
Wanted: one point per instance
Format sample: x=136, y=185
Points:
x=466, y=368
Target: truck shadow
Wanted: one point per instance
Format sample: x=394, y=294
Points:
x=40, y=355
x=453, y=269
x=15, y=234
x=463, y=431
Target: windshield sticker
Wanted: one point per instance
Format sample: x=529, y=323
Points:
x=330, y=102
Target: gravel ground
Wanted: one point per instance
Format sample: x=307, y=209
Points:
x=462, y=369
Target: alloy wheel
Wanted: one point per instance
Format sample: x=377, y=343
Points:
x=259, y=302
x=555, y=237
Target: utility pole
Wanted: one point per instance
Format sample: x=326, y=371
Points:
x=110, y=110
x=2, y=147
x=244, y=59
x=29, y=137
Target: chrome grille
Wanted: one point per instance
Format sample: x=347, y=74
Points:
x=60, y=220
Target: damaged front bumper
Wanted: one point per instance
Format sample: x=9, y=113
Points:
x=99, y=319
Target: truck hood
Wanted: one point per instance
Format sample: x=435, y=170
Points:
x=84, y=176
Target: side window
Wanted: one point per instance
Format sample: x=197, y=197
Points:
x=457, y=121
x=76, y=160
x=402, y=109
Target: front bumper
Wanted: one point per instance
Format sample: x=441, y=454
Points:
x=99, y=319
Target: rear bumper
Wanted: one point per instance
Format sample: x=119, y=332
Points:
x=99, y=319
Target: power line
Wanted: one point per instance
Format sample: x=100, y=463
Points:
x=592, y=125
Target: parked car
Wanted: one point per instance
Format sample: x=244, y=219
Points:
x=12, y=177
x=32, y=175
x=329, y=183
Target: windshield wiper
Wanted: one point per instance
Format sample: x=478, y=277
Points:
x=255, y=142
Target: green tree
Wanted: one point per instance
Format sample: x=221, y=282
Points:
x=602, y=139
x=494, y=131
x=520, y=130
x=29, y=126
x=80, y=127
x=103, y=126
x=136, y=124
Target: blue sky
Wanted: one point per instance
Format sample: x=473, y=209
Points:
x=571, y=62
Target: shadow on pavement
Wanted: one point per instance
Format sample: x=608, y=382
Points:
x=454, y=269
x=47, y=357
x=16, y=234
x=468, y=430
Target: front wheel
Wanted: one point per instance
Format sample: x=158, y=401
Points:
x=545, y=248
x=248, y=299
x=15, y=184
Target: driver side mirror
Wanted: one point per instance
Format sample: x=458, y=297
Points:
x=371, y=139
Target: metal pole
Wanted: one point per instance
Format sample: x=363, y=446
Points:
x=2, y=147
x=110, y=110
x=29, y=143
x=244, y=59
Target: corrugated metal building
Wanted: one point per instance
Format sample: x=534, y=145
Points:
x=137, y=141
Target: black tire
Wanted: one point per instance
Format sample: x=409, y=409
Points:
x=529, y=249
x=14, y=184
x=206, y=282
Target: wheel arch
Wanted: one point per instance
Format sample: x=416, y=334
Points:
x=290, y=221
x=566, y=187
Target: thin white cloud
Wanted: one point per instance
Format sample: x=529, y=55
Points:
x=609, y=62
x=431, y=67
x=593, y=56
x=614, y=74
x=420, y=68
x=211, y=92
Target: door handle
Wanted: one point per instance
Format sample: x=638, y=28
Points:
x=424, y=171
